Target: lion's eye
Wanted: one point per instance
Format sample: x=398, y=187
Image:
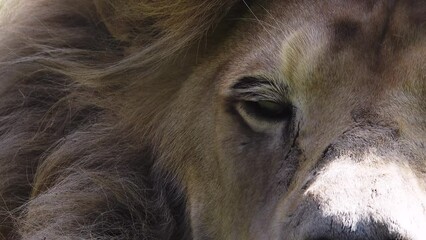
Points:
x=268, y=110
x=263, y=104
x=265, y=116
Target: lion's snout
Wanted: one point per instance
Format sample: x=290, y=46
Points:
x=360, y=188
x=350, y=199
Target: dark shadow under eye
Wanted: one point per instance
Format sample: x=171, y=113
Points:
x=268, y=110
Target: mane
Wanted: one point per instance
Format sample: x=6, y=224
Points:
x=80, y=109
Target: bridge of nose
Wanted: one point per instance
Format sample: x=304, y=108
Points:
x=374, y=191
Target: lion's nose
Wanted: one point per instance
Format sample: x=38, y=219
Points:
x=349, y=200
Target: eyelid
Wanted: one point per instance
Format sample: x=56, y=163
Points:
x=254, y=90
x=248, y=82
x=256, y=125
x=260, y=89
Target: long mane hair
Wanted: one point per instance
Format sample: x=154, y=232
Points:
x=84, y=86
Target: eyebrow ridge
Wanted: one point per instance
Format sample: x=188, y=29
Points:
x=260, y=89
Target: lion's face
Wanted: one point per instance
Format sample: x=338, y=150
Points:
x=310, y=124
x=213, y=119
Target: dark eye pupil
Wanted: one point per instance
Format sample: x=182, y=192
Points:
x=268, y=110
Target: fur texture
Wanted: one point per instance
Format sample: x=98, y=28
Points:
x=68, y=72
x=140, y=119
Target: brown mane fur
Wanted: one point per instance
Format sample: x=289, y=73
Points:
x=77, y=110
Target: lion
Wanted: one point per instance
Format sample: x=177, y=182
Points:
x=224, y=119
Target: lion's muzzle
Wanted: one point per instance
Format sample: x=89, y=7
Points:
x=362, y=188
